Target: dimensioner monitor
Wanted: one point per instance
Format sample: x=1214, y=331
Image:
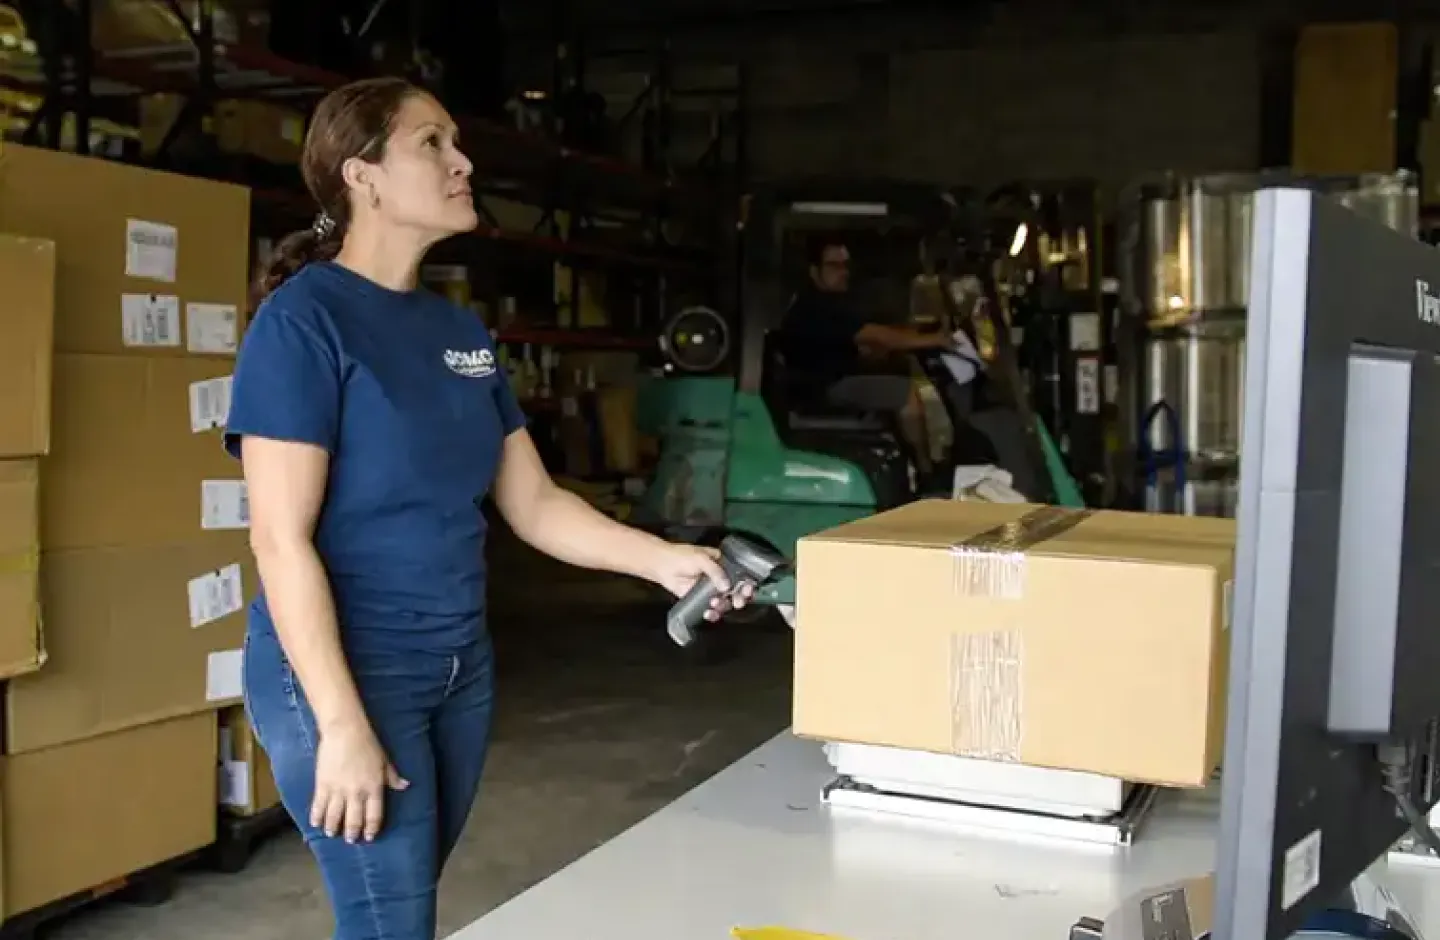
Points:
x=1335, y=654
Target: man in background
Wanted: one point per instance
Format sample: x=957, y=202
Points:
x=840, y=355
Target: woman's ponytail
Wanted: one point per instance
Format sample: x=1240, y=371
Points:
x=319, y=242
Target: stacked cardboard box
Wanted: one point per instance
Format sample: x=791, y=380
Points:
x=126, y=289
x=261, y=129
x=1092, y=641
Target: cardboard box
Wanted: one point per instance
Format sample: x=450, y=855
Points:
x=136, y=455
x=84, y=816
x=147, y=261
x=134, y=636
x=27, y=271
x=1071, y=639
x=22, y=643
x=247, y=784
x=262, y=129
x=135, y=25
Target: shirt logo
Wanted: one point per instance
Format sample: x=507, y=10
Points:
x=474, y=364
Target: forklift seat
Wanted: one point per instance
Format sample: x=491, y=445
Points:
x=793, y=414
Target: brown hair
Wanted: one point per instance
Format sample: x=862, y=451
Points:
x=354, y=120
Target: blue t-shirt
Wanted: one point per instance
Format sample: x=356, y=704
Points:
x=405, y=392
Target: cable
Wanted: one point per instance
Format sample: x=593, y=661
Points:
x=1172, y=457
x=1396, y=767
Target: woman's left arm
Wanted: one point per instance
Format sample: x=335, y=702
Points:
x=562, y=525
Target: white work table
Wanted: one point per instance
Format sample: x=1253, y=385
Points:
x=755, y=846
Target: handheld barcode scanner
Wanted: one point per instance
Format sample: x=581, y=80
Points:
x=743, y=561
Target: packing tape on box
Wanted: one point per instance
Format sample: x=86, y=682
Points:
x=987, y=669
x=992, y=563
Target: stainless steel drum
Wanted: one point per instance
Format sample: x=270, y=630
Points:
x=1188, y=266
x=1197, y=497
x=1392, y=199
x=1194, y=386
x=1194, y=236
x=1194, y=246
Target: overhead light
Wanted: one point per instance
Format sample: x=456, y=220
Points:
x=878, y=209
x=1017, y=243
x=534, y=94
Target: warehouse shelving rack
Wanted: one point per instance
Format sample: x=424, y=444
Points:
x=616, y=214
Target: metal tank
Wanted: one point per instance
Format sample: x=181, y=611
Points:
x=1187, y=286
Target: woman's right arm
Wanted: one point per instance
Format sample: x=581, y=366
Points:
x=286, y=483
x=284, y=425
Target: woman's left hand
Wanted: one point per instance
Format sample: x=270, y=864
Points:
x=681, y=567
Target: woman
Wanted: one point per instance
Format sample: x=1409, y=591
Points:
x=371, y=416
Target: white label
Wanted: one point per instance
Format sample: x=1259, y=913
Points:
x=1301, y=873
x=150, y=319
x=1087, y=386
x=215, y=595
x=1085, y=332
x=210, y=404
x=212, y=328
x=235, y=784
x=150, y=250
x=223, y=672
x=224, y=504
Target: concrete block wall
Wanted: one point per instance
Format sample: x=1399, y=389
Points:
x=1108, y=109
x=1026, y=89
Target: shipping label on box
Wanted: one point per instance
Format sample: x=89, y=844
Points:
x=151, y=250
x=216, y=595
x=224, y=676
x=224, y=504
x=150, y=321
x=212, y=329
x=210, y=404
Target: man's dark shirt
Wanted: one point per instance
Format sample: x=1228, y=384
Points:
x=817, y=339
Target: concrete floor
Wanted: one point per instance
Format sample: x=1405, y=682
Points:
x=600, y=723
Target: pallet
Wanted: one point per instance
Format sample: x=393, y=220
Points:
x=149, y=888
x=237, y=837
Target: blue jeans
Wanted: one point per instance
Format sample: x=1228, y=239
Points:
x=432, y=716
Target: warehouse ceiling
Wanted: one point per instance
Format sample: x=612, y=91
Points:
x=530, y=19
x=526, y=14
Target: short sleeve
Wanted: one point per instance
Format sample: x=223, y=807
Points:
x=813, y=327
x=512, y=418
x=287, y=383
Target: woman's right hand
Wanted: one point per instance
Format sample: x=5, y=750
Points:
x=352, y=775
